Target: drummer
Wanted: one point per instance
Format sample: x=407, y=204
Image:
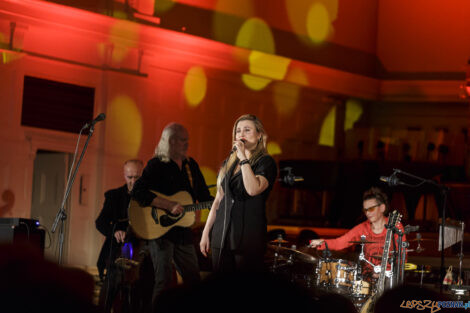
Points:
x=375, y=207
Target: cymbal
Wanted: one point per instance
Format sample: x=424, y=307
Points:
x=410, y=266
x=288, y=252
x=422, y=239
x=278, y=241
x=422, y=271
x=360, y=241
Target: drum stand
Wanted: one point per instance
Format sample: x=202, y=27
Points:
x=276, y=253
x=460, y=279
x=388, y=274
x=362, y=258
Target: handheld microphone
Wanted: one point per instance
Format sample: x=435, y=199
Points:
x=235, y=148
x=391, y=180
x=99, y=118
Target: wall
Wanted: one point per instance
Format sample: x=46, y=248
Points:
x=146, y=77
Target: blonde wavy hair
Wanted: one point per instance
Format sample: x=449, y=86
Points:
x=163, y=149
x=256, y=153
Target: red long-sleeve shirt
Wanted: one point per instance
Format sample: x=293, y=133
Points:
x=370, y=249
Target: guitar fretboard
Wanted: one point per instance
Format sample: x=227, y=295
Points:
x=393, y=220
x=198, y=206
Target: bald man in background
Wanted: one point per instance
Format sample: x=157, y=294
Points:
x=113, y=223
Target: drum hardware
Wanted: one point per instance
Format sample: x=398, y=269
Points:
x=362, y=242
x=292, y=254
x=420, y=239
x=291, y=264
x=410, y=266
x=278, y=253
x=361, y=257
x=399, y=277
x=401, y=265
x=278, y=241
x=460, y=291
x=422, y=271
x=460, y=280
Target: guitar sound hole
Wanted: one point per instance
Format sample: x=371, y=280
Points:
x=167, y=220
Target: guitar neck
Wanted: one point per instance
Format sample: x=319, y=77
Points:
x=197, y=206
x=393, y=220
x=383, y=265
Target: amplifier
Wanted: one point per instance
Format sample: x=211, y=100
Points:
x=18, y=230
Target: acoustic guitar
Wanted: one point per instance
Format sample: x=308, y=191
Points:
x=152, y=223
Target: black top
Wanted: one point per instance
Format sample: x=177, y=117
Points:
x=168, y=178
x=113, y=217
x=242, y=223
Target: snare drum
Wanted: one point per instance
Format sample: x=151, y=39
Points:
x=360, y=289
x=337, y=274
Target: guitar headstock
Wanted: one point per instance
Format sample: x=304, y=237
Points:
x=394, y=218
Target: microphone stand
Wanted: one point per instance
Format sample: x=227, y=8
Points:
x=397, y=254
x=61, y=214
x=394, y=267
x=444, y=190
x=460, y=279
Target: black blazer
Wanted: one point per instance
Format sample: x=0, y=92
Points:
x=113, y=217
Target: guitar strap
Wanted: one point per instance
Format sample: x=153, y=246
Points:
x=190, y=176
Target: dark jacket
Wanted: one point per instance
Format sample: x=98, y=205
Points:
x=167, y=178
x=113, y=217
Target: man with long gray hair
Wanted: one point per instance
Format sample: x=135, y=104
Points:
x=169, y=172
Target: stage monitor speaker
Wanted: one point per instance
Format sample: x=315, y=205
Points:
x=22, y=231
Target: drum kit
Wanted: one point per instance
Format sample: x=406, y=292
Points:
x=322, y=272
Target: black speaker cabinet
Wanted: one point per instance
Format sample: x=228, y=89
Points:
x=22, y=231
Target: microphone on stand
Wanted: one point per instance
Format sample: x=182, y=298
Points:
x=391, y=180
x=326, y=252
x=290, y=179
x=97, y=119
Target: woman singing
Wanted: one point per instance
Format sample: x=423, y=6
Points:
x=237, y=217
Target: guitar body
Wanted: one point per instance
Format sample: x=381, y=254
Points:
x=369, y=306
x=152, y=223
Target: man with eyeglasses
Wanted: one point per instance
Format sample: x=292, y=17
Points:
x=375, y=207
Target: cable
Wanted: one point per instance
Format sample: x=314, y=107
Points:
x=225, y=214
x=27, y=228
x=48, y=234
